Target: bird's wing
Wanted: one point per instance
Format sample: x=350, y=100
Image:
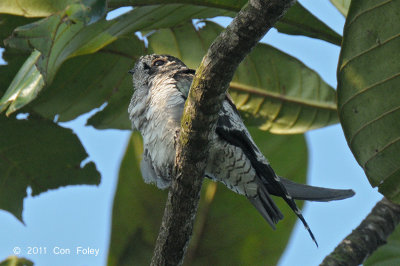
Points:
x=230, y=128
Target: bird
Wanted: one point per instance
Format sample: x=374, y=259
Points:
x=161, y=86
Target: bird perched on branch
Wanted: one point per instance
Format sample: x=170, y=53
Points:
x=161, y=86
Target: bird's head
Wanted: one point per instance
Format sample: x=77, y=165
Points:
x=149, y=66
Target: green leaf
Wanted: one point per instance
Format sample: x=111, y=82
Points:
x=58, y=38
x=115, y=114
x=14, y=59
x=297, y=21
x=342, y=6
x=25, y=86
x=33, y=8
x=86, y=82
x=8, y=23
x=15, y=261
x=388, y=254
x=273, y=90
x=34, y=74
x=138, y=209
x=234, y=6
x=368, y=91
x=44, y=8
x=39, y=154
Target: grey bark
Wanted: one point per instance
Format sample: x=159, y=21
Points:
x=199, y=118
x=367, y=237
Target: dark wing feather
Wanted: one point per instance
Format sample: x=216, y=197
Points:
x=231, y=129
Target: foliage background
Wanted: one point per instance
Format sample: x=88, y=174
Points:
x=80, y=216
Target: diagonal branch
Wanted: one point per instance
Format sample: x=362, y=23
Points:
x=199, y=118
x=367, y=237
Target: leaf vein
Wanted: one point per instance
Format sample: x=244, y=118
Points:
x=371, y=122
x=282, y=98
x=381, y=150
x=346, y=63
x=368, y=88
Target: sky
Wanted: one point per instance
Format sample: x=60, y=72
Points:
x=79, y=217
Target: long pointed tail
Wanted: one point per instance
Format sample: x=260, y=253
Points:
x=270, y=183
x=306, y=192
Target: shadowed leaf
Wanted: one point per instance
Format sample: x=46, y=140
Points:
x=39, y=154
x=368, y=91
x=8, y=23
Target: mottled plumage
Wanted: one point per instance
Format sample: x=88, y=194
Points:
x=161, y=85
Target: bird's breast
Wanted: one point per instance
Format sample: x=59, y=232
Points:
x=159, y=124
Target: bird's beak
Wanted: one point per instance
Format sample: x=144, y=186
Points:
x=131, y=71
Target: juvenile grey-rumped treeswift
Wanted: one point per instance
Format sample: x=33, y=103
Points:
x=161, y=86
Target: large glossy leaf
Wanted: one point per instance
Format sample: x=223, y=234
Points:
x=297, y=21
x=368, y=91
x=273, y=90
x=342, y=6
x=138, y=210
x=58, y=38
x=44, y=8
x=15, y=261
x=39, y=154
x=388, y=254
x=50, y=51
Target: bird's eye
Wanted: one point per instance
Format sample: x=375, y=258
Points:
x=159, y=63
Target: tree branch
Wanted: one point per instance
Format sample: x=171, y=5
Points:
x=367, y=237
x=198, y=122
